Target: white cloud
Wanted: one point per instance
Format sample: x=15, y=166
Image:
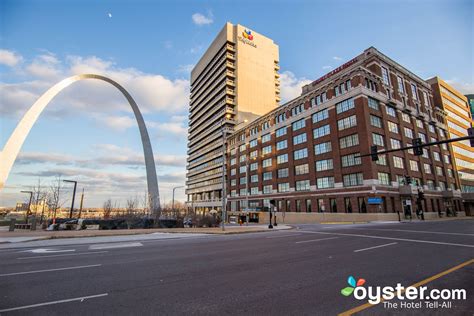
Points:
x=291, y=86
x=327, y=67
x=336, y=58
x=9, y=58
x=118, y=123
x=200, y=19
x=463, y=87
x=186, y=68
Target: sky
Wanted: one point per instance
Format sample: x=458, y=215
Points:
x=88, y=132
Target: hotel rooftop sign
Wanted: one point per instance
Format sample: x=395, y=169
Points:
x=335, y=71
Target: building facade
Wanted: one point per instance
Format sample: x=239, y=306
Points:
x=236, y=80
x=305, y=154
x=458, y=120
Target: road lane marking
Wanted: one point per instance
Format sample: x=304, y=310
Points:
x=423, y=282
x=391, y=238
x=64, y=255
x=114, y=246
x=49, y=270
x=364, y=249
x=83, y=298
x=48, y=250
x=304, y=241
x=415, y=231
x=291, y=235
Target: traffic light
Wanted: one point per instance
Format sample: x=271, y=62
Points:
x=470, y=132
x=373, y=153
x=418, y=150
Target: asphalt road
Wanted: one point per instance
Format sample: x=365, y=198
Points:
x=296, y=272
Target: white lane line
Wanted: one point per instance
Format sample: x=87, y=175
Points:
x=304, y=241
x=284, y=236
x=113, y=246
x=64, y=255
x=49, y=270
x=391, y=238
x=49, y=250
x=415, y=231
x=83, y=298
x=380, y=246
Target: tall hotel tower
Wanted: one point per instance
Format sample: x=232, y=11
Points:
x=236, y=80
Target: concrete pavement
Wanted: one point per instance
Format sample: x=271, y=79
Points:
x=292, y=272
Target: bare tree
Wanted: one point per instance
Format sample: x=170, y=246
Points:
x=107, y=208
x=130, y=211
x=54, y=199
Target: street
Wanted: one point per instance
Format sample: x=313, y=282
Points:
x=288, y=272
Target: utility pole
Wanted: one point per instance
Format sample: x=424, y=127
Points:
x=172, y=202
x=73, y=196
x=29, y=204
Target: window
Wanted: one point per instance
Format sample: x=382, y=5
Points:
x=266, y=150
x=377, y=139
x=233, y=182
x=280, y=132
x=406, y=117
x=347, y=122
x=385, y=77
x=348, y=85
x=325, y=182
x=243, y=180
x=425, y=153
x=384, y=178
x=431, y=128
x=321, y=131
x=282, y=159
x=390, y=111
x=322, y=148
x=430, y=184
x=351, y=160
x=283, y=187
x=254, y=178
x=408, y=132
x=442, y=185
x=324, y=97
x=232, y=172
x=419, y=123
x=308, y=206
x=375, y=121
x=353, y=179
x=253, y=131
x=298, y=124
x=436, y=156
x=349, y=141
x=299, y=139
x=392, y=127
x=447, y=160
x=413, y=91
x=242, y=158
x=336, y=91
x=325, y=164
x=282, y=173
x=242, y=169
x=266, y=138
x=242, y=148
x=233, y=151
x=450, y=172
x=267, y=163
x=422, y=136
x=395, y=143
x=301, y=169
x=280, y=118
x=253, y=143
x=344, y=105
x=282, y=145
x=398, y=162
x=233, y=193
x=410, y=151
x=374, y=104
x=253, y=166
x=382, y=160
x=300, y=154
x=297, y=110
x=253, y=154
x=401, y=88
x=414, y=165
x=439, y=171
x=265, y=125
x=233, y=161
x=267, y=175
x=302, y=185
x=427, y=168
x=267, y=189
x=321, y=115
x=253, y=190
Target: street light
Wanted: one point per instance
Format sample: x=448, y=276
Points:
x=29, y=204
x=172, y=203
x=224, y=141
x=73, y=196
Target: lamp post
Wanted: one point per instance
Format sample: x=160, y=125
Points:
x=172, y=202
x=29, y=204
x=73, y=196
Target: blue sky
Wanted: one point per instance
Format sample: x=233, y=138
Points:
x=88, y=132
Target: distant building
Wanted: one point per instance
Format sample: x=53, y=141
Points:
x=235, y=80
x=305, y=153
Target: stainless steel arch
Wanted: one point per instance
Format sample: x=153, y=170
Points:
x=16, y=140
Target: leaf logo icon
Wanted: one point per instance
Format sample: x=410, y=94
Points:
x=352, y=285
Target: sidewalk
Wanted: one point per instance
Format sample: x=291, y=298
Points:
x=26, y=235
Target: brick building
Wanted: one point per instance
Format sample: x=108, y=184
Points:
x=304, y=153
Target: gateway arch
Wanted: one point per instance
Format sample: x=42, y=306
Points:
x=16, y=140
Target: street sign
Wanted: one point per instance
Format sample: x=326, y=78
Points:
x=375, y=200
